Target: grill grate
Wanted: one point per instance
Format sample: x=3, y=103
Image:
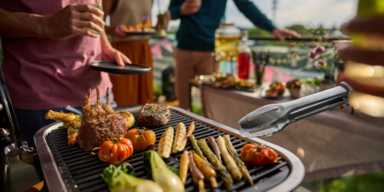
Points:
x=81, y=171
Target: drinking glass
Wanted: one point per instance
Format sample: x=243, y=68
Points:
x=99, y=6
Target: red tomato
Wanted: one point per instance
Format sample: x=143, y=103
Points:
x=115, y=152
x=258, y=154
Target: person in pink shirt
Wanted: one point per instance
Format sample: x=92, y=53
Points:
x=46, y=59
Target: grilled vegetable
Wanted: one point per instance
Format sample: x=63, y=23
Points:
x=208, y=172
x=237, y=159
x=115, y=151
x=224, y=174
x=71, y=121
x=184, y=165
x=180, y=140
x=231, y=164
x=119, y=179
x=165, y=143
x=196, y=182
x=191, y=128
x=141, y=138
x=196, y=147
x=258, y=154
x=128, y=118
x=196, y=173
x=161, y=174
x=214, y=146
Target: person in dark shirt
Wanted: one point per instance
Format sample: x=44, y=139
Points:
x=196, y=36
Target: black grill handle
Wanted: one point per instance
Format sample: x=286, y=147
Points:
x=8, y=114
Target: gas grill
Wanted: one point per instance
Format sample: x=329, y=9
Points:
x=68, y=168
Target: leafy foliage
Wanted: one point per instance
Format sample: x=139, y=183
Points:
x=259, y=32
x=355, y=183
x=300, y=29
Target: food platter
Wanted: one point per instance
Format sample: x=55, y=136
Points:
x=112, y=67
x=280, y=95
x=263, y=95
x=230, y=82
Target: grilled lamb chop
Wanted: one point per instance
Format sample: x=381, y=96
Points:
x=154, y=115
x=71, y=121
x=99, y=123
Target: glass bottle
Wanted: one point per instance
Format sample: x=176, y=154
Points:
x=244, y=57
x=226, y=43
x=367, y=74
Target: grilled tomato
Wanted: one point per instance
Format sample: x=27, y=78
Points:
x=141, y=138
x=258, y=154
x=115, y=151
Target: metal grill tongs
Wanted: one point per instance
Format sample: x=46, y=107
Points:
x=271, y=119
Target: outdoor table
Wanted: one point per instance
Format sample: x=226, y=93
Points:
x=330, y=144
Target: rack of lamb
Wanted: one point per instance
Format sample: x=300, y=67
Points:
x=100, y=123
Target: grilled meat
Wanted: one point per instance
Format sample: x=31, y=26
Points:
x=71, y=121
x=154, y=115
x=99, y=123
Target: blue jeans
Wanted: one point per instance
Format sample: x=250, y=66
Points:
x=30, y=121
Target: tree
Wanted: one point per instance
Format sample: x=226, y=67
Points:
x=300, y=29
x=259, y=32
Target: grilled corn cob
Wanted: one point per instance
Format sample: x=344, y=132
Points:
x=165, y=143
x=180, y=140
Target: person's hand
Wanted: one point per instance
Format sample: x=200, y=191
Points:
x=279, y=34
x=168, y=16
x=119, y=32
x=111, y=54
x=72, y=20
x=190, y=6
x=372, y=25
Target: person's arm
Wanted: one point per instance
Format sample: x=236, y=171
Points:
x=68, y=22
x=254, y=14
x=117, y=31
x=174, y=9
x=259, y=19
x=111, y=54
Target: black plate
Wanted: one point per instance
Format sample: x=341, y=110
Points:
x=141, y=33
x=251, y=90
x=112, y=67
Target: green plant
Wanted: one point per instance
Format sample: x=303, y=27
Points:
x=314, y=82
x=355, y=183
x=196, y=108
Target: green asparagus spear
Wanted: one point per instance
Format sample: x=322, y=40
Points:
x=198, y=151
x=196, y=148
x=224, y=174
x=228, y=159
x=237, y=159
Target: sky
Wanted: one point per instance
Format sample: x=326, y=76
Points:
x=328, y=13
